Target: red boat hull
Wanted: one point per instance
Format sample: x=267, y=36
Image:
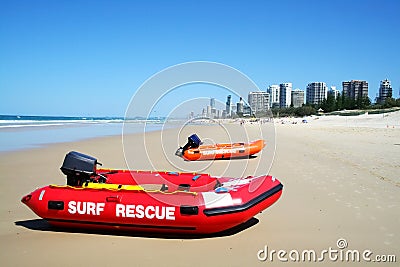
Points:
x=192, y=203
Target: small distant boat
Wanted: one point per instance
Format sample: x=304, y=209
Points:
x=148, y=201
x=194, y=150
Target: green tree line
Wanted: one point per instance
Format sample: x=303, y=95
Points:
x=331, y=104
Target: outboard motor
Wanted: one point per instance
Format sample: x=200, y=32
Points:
x=79, y=168
x=193, y=142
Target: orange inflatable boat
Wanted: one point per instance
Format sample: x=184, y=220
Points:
x=194, y=150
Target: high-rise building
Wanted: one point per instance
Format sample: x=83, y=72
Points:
x=240, y=106
x=385, y=91
x=316, y=93
x=297, y=98
x=355, y=89
x=223, y=114
x=273, y=91
x=333, y=91
x=228, y=106
x=246, y=110
x=258, y=101
x=213, y=113
x=233, y=108
x=285, y=95
x=219, y=113
x=212, y=102
x=209, y=115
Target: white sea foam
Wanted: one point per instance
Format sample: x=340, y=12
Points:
x=30, y=134
x=34, y=123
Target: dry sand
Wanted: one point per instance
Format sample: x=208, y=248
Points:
x=341, y=180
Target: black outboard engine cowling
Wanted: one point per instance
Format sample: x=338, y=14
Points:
x=79, y=168
x=193, y=142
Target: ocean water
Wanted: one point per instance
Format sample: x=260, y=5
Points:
x=24, y=132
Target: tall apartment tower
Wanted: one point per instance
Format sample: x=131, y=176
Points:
x=209, y=115
x=228, y=106
x=212, y=102
x=385, y=91
x=333, y=91
x=273, y=91
x=285, y=95
x=316, y=93
x=355, y=89
x=240, y=106
x=258, y=101
x=297, y=98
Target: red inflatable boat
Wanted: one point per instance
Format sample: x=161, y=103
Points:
x=149, y=201
x=194, y=150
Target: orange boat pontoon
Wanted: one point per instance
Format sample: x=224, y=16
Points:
x=194, y=150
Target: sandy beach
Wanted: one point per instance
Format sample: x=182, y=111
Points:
x=341, y=178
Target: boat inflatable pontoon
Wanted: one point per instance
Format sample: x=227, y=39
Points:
x=194, y=150
x=149, y=201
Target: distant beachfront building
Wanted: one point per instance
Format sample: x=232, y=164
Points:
x=240, y=106
x=355, y=89
x=224, y=114
x=385, y=91
x=219, y=114
x=316, y=93
x=209, y=115
x=191, y=115
x=258, y=101
x=213, y=113
x=228, y=107
x=204, y=113
x=285, y=95
x=246, y=110
x=273, y=91
x=333, y=91
x=233, y=108
x=212, y=102
x=297, y=98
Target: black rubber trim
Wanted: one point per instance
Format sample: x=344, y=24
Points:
x=246, y=206
x=122, y=225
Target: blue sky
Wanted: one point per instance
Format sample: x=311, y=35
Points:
x=87, y=58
